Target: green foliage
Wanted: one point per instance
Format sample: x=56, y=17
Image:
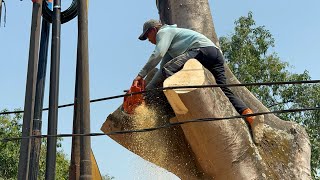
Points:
x=9, y=151
x=107, y=177
x=62, y=164
x=246, y=52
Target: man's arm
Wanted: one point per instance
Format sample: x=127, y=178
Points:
x=153, y=61
x=164, y=40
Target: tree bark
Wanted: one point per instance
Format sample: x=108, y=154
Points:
x=166, y=147
x=196, y=15
x=225, y=149
x=219, y=149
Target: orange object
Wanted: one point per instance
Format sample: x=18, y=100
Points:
x=248, y=118
x=131, y=102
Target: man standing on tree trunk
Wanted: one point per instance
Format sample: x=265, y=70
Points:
x=174, y=47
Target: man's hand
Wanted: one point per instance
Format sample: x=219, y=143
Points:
x=136, y=80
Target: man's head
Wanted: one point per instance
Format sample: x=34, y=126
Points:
x=150, y=29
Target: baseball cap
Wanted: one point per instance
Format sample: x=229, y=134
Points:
x=147, y=25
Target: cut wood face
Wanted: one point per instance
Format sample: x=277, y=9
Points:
x=175, y=102
x=192, y=74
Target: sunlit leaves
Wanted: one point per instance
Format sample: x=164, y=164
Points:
x=10, y=126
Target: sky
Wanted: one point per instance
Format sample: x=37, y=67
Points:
x=116, y=56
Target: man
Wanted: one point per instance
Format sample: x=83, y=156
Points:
x=175, y=46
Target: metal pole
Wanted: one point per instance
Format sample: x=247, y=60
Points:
x=74, y=171
x=85, y=141
x=37, y=118
x=54, y=91
x=24, y=159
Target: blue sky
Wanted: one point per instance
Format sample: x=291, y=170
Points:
x=116, y=56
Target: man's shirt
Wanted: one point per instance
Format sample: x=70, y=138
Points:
x=172, y=42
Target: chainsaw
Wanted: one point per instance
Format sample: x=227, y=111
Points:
x=131, y=102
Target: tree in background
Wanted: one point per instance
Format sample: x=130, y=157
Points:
x=9, y=151
x=246, y=52
x=10, y=126
x=107, y=177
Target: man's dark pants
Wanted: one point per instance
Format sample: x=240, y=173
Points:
x=211, y=58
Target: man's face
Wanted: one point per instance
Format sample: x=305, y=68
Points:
x=151, y=35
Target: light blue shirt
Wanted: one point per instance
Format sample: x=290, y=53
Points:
x=172, y=42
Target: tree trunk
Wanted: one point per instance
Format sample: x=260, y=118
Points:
x=219, y=149
x=196, y=15
x=224, y=149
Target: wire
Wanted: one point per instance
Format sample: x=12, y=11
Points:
x=66, y=15
x=163, y=126
x=180, y=87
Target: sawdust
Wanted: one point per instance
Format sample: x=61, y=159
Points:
x=146, y=170
x=151, y=145
x=275, y=149
x=144, y=117
x=159, y=146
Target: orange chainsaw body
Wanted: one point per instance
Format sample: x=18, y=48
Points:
x=131, y=102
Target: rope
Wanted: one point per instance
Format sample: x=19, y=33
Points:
x=161, y=127
x=184, y=87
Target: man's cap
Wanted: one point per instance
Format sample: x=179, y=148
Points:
x=147, y=25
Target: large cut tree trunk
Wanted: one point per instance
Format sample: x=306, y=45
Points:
x=224, y=149
x=218, y=149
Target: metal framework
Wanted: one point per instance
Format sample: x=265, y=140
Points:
x=32, y=120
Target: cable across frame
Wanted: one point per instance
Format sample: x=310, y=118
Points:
x=176, y=123
x=184, y=87
x=163, y=126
